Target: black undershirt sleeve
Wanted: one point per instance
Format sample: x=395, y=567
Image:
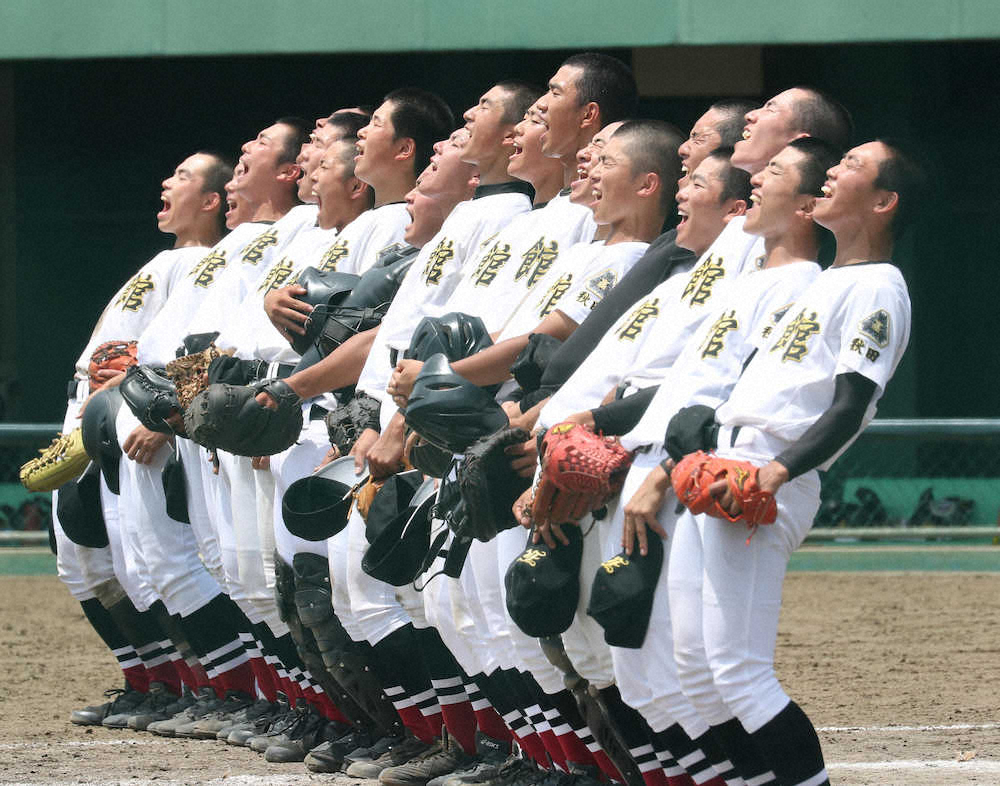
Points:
x=621, y=416
x=661, y=258
x=852, y=394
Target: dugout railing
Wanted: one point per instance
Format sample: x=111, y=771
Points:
x=903, y=479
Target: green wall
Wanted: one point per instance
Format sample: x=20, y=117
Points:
x=123, y=28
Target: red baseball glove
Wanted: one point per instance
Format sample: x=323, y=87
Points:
x=696, y=472
x=113, y=355
x=580, y=472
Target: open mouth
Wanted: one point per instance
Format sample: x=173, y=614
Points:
x=827, y=190
x=166, y=207
x=746, y=132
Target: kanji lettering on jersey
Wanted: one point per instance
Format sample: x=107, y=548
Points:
x=439, y=257
x=536, y=261
x=650, y=309
x=253, y=252
x=716, y=340
x=554, y=294
x=204, y=270
x=134, y=293
x=276, y=276
x=488, y=267
x=701, y=281
x=795, y=339
x=876, y=327
x=328, y=262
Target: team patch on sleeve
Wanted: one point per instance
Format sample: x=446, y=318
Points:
x=776, y=317
x=133, y=296
x=876, y=327
x=635, y=322
x=331, y=258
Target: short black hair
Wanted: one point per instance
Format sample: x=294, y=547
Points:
x=820, y=115
x=735, y=181
x=608, y=82
x=215, y=177
x=298, y=136
x=423, y=117
x=820, y=156
x=904, y=174
x=652, y=147
x=348, y=121
x=521, y=95
x=731, y=128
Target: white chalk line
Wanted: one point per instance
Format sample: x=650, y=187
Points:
x=973, y=766
x=947, y=727
x=15, y=746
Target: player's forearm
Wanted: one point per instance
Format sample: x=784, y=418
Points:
x=852, y=394
x=491, y=365
x=340, y=368
x=621, y=416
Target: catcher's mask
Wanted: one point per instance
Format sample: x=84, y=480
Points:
x=399, y=532
x=543, y=585
x=79, y=509
x=323, y=291
x=622, y=596
x=317, y=507
x=456, y=335
x=100, y=437
x=448, y=410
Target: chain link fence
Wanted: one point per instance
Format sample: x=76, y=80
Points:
x=899, y=474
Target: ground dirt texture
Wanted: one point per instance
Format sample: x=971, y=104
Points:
x=898, y=671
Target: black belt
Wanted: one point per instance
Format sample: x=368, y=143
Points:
x=316, y=412
x=71, y=387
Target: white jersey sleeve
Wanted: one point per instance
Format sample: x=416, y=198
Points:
x=854, y=318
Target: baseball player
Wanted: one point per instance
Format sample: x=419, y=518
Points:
x=193, y=200
x=807, y=393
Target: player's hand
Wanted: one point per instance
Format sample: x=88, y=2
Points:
x=642, y=510
x=260, y=462
x=401, y=383
x=523, y=457
x=360, y=450
x=385, y=457
x=142, y=445
x=522, y=508
x=264, y=399
x=550, y=533
x=286, y=312
x=585, y=418
x=331, y=455
x=770, y=477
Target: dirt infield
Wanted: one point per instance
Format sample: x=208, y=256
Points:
x=898, y=671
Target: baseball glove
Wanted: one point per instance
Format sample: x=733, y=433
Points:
x=151, y=397
x=346, y=423
x=229, y=417
x=190, y=373
x=365, y=495
x=111, y=355
x=580, y=471
x=488, y=484
x=695, y=473
x=62, y=461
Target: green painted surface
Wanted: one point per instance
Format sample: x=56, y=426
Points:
x=126, y=28
x=27, y=562
x=839, y=558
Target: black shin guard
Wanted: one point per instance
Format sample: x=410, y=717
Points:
x=790, y=747
x=345, y=660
